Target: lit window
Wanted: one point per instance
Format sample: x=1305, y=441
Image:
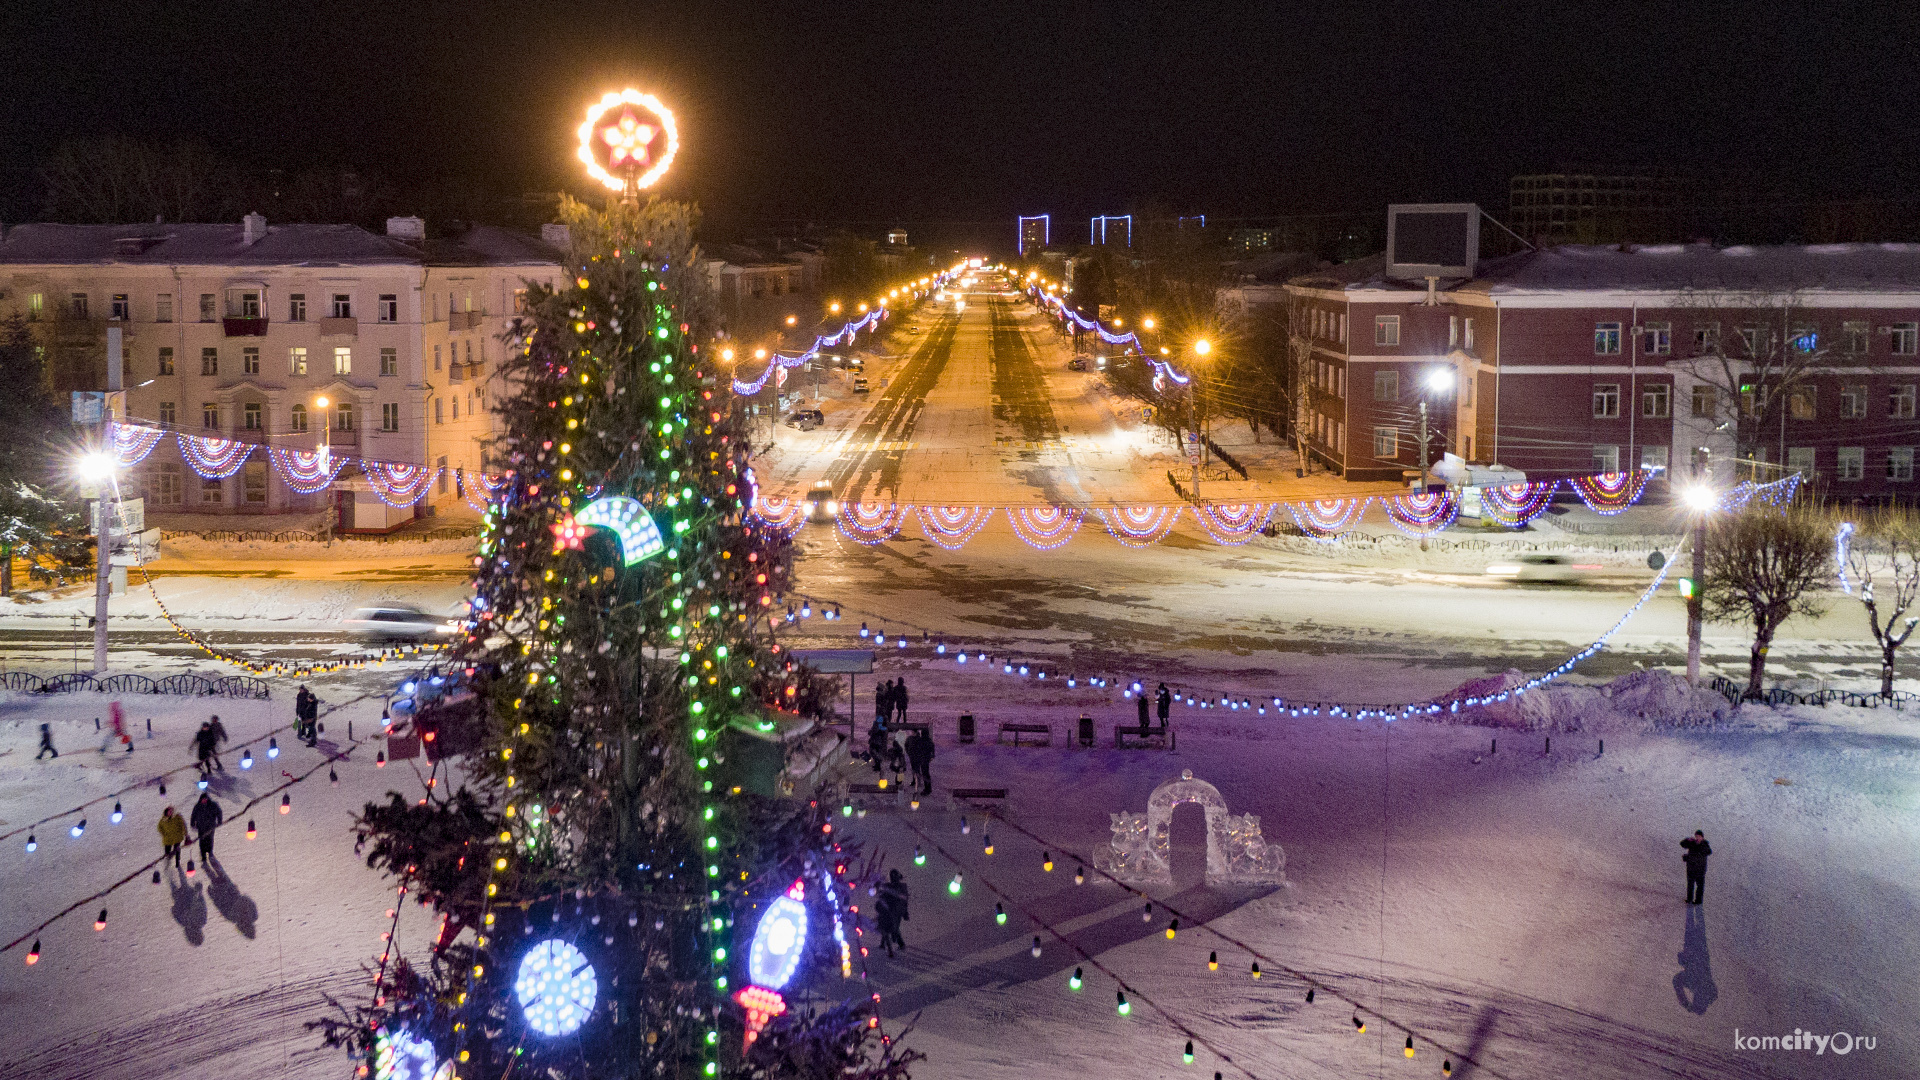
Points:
x=1606, y=339
x=1386, y=329
x=342, y=360
x=166, y=360
x=297, y=361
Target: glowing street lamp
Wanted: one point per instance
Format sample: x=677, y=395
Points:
x=1147, y=323
x=628, y=140
x=834, y=307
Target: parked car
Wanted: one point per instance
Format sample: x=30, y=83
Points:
x=860, y=385
x=806, y=419
x=399, y=623
x=1554, y=569
x=1078, y=363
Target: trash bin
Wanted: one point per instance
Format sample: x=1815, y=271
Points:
x=966, y=727
x=1086, y=730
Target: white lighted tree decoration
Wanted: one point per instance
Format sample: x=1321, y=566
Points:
x=778, y=943
x=556, y=987
x=628, y=140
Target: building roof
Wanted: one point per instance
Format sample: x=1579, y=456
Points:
x=1660, y=269
x=160, y=244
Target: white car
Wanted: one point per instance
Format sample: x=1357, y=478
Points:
x=1558, y=569
x=400, y=623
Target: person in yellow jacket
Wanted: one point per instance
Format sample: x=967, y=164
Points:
x=173, y=833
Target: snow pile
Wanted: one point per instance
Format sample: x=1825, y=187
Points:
x=1640, y=701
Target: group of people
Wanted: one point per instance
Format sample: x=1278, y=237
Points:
x=205, y=818
x=886, y=752
x=1163, y=700
x=206, y=746
x=890, y=701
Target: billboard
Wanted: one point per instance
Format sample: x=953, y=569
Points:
x=1432, y=240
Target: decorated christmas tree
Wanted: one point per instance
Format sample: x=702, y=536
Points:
x=606, y=844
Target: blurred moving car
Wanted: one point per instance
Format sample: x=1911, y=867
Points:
x=806, y=419
x=1554, y=569
x=821, y=505
x=399, y=623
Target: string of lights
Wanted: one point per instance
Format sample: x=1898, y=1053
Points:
x=848, y=332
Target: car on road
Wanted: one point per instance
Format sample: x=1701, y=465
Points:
x=821, y=505
x=398, y=622
x=1078, y=363
x=1549, y=569
x=806, y=419
x=860, y=386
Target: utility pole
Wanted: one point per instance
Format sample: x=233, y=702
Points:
x=108, y=502
x=1423, y=444
x=1703, y=501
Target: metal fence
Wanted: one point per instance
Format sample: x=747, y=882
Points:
x=230, y=686
x=1735, y=693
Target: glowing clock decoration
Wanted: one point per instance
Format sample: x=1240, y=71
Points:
x=402, y=1055
x=629, y=520
x=628, y=140
x=556, y=987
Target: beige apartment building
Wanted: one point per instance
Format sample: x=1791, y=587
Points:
x=240, y=331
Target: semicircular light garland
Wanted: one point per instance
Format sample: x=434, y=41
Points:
x=1610, y=493
x=781, y=514
x=1232, y=524
x=1139, y=526
x=213, y=459
x=306, y=471
x=1326, y=520
x=872, y=523
x=952, y=526
x=1422, y=514
x=131, y=443
x=1045, y=527
x=399, y=485
x=1514, y=505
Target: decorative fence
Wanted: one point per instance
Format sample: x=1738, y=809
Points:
x=450, y=532
x=230, y=686
x=1735, y=693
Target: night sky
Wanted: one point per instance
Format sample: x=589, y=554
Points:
x=975, y=111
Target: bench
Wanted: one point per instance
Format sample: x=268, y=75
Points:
x=977, y=792
x=1145, y=733
x=1017, y=730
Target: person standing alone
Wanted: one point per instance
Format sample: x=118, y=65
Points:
x=207, y=817
x=890, y=910
x=900, y=701
x=1164, y=698
x=1697, y=849
x=920, y=755
x=173, y=833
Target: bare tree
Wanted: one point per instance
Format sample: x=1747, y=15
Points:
x=1762, y=564
x=1756, y=355
x=1883, y=560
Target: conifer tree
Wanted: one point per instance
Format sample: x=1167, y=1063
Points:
x=594, y=800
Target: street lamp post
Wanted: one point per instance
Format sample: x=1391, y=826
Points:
x=1438, y=381
x=1201, y=348
x=1701, y=499
x=323, y=453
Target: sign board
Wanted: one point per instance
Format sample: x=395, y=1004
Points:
x=1439, y=240
x=131, y=518
x=143, y=548
x=89, y=406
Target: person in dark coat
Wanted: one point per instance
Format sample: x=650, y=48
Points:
x=896, y=759
x=46, y=743
x=306, y=714
x=203, y=747
x=205, y=818
x=1697, y=849
x=885, y=700
x=900, y=700
x=877, y=744
x=920, y=756
x=890, y=910
x=1142, y=702
x=217, y=735
x=1164, y=698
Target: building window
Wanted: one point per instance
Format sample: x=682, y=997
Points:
x=1900, y=401
x=1900, y=463
x=389, y=361
x=469, y=353
x=297, y=307
x=210, y=415
x=207, y=310
x=1853, y=401
x=120, y=308
x=1906, y=338
x=166, y=360
x=441, y=465
x=297, y=361
x=1656, y=338
x=519, y=301
x=77, y=305
x=1453, y=331
x=297, y=418
x=210, y=492
x=209, y=361
x=1853, y=337
x=36, y=306
x=436, y=358
x=1466, y=334
x=250, y=361
x=389, y=307
x=1606, y=339
x=1386, y=329
x=439, y=411
x=163, y=484
x=1606, y=459
x=250, y=416
x=1386, y=386
x=1800, y=403
x=1850, y=463
x=342, y=360
x=389, y=416
x=343, y=416
x=163, y=307
x=1656, y=401
x=166, y=412
x=1653, y=458
x=456, y=407
x=1800, y=460
x=342, y=306
x=253, y=482
x=1706, y=339
x=1704, y=400
x=243, y=303
x=1386, y=442
x=1606, y=401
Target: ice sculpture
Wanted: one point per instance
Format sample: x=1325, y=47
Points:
x=1236, y=852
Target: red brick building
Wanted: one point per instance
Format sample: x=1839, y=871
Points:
x=1578, y=359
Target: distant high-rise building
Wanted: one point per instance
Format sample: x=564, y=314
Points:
x=1035, y=233
x=1556, y=208
x=1108, y=229
x=1250, y=241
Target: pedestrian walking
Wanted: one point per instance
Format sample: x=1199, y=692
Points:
x=890, y=910
x=173, y=833
x=306, y=714
x=118, y=727
x=219, y=736
x=207, y=817
x=1697, y=849
x=920, y=756
x=877, y=744
x=203, y=747
x=46, y=743
x=1164, y=698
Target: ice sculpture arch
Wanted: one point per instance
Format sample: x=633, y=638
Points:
x=1236, y=852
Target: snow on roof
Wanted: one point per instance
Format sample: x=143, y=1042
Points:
x=1661, y=268
x=283, y=245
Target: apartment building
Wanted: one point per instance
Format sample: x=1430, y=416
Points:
x=240, y=331
x=1578, y=359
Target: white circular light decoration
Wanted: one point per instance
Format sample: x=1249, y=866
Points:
x=556, y=987
x=401, y=1055
x=627, y=132
x=779, y=940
